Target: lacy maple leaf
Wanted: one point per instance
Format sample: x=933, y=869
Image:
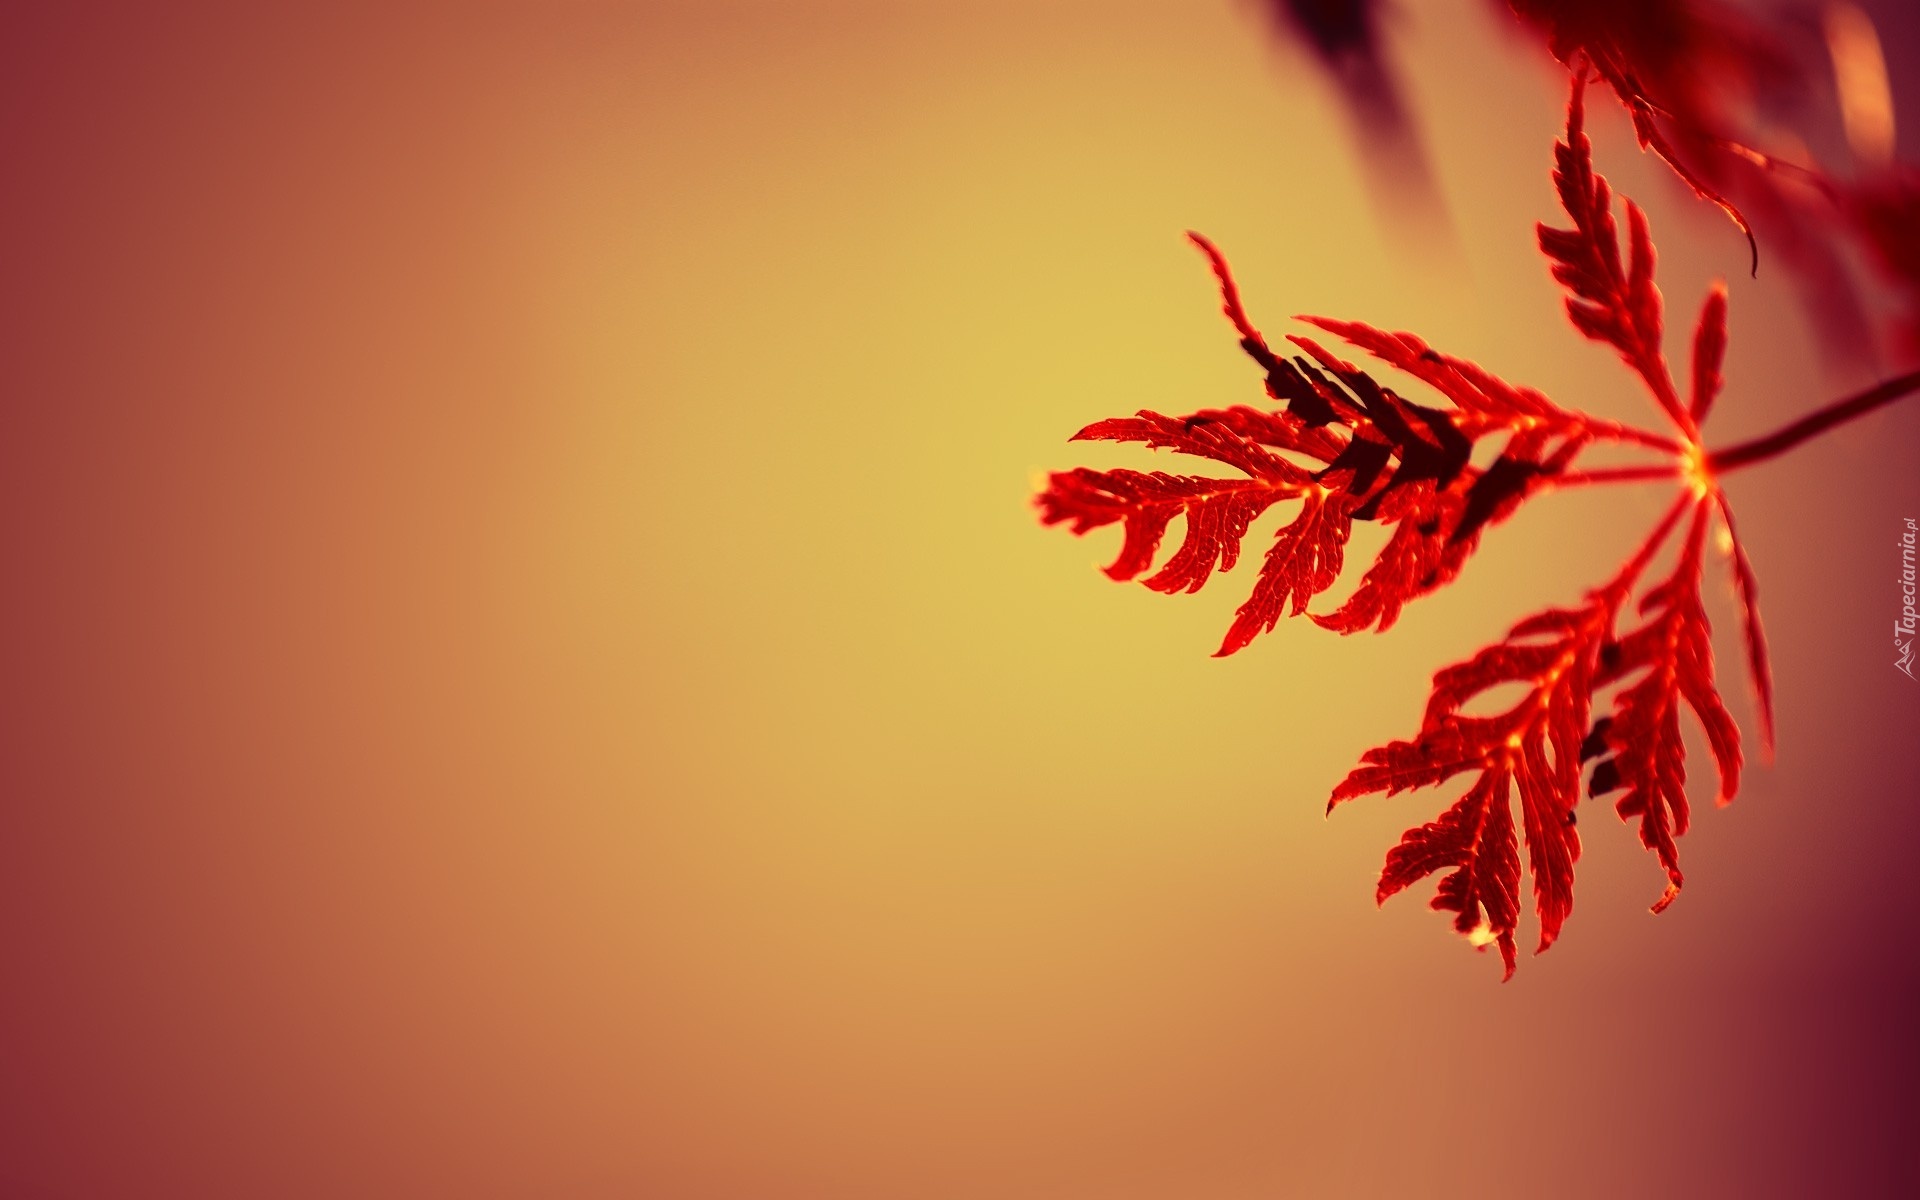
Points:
x=1702, y=80
x=1664, y=662
x=1562, y=655
x=1674, y=650
x=1707, y=85
x=1665, y=59
x=1348, y=448
x=1374, y=455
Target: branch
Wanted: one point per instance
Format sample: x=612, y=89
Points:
x=1812, y=425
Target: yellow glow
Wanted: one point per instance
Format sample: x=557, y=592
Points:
x=1693, y=468
x=1860, y=70
x=553, y=532
x=1482, y=933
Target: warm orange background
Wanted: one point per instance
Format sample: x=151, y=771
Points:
x=528, y=670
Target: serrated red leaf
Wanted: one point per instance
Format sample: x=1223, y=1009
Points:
x=1304, y=560
x=1536, y=743
x=1218, y=512
x=1674, y=648
x=1475, y=838
x=1374, y=455
x=1611, y=301
x=1385, y=459
x=1419, y=558
x=1703, y=83
x=1486, y=402
x=1241, y=438
x=1678, y=59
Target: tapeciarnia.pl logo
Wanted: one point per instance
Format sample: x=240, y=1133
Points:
x=1903, y=627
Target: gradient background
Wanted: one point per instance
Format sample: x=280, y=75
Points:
x=529, y=670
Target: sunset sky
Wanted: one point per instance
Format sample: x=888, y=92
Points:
x=530, y=668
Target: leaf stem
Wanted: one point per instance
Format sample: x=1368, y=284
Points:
x=1812, y=425
x=1623, y=582
x=1615, y=475
x=1609, y=431
x=1229, y=291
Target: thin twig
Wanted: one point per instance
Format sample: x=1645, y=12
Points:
x=1614, y=475
x=1813, y=424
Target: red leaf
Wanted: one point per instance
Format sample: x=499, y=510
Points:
x=1382, y=457
x=1536, y=742
x=1759, y=666
x=1303, y=561
x=1709, y=351
x=1702, y=81
x=1217, y=511
x=1611, y=303
x=1648, y=134
x=1486, y=402
x=1419, y=558
x=1241, y=437
x=1475, y=838
x=1681, y=59
x=1386, y=459
x=1675, y=649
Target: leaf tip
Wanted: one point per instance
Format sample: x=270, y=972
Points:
x=1667, y=897
x=1484, y=935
